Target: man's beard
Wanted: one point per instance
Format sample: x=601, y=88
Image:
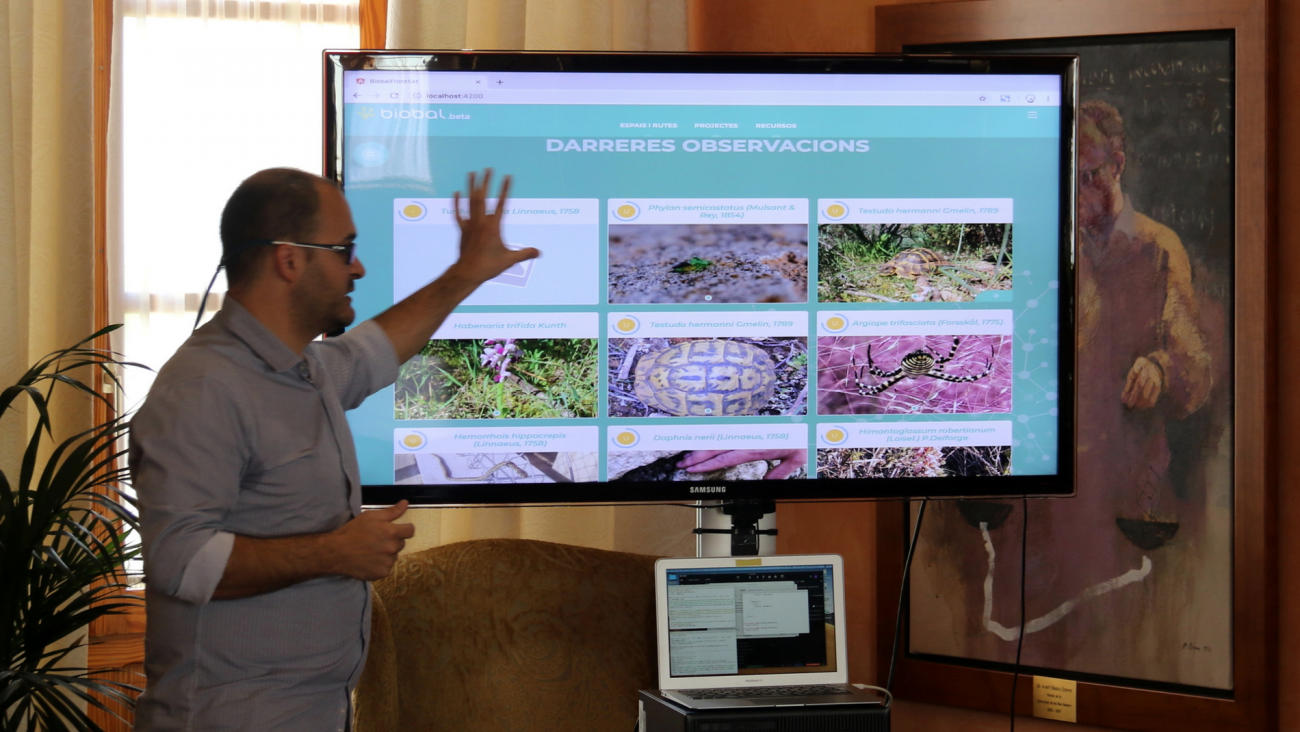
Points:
x=317, y=307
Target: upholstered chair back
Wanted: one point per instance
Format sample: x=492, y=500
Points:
x=509, y=635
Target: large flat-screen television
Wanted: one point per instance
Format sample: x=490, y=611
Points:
x=762, y=276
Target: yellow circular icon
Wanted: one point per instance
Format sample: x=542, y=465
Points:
x=413, y=440
x=835, y=210
x=626, y=325
x=835, y=323
x=413, y=210
x=626, y=211
x=835, y=434
x=625, y=438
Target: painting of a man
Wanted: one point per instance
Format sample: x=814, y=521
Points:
x=1132, y=576
x=1142, y=357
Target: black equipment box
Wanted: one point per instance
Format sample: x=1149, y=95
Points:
x=661, y=715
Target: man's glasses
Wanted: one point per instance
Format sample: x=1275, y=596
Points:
x=349, y=250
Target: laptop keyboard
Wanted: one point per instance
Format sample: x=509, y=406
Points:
x=766, y=691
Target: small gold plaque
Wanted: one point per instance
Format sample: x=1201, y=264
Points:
x=749, y=562
x=1054, y=699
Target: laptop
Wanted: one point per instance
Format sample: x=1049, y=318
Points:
x=754, y=632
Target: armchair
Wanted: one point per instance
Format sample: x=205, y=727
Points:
x=509, y=634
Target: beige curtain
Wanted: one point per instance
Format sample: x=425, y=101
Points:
x=539, y=25
x=586, y=25
x=46, y=203
x=46, y=197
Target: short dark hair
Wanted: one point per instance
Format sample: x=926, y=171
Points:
x=1108, y=122
x=277, y=203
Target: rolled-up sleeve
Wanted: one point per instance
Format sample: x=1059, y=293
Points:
x=360, y=362
x=188, y=450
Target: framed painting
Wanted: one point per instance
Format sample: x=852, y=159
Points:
x=1153, y=586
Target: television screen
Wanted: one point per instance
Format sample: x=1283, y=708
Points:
x=761, y=276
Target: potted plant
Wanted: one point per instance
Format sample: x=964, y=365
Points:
x=65, y=525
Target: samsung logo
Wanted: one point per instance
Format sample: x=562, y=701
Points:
x=708, y=489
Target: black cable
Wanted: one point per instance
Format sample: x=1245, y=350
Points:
x=1020, y=640
x=902, y=594
x=203, y=303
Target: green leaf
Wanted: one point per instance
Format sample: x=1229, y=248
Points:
x=64, y=519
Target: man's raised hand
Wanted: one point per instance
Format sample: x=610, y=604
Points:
x=483, y=255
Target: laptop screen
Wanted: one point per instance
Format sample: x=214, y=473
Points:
x=751, y=620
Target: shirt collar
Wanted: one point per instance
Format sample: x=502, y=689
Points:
x=236, y=319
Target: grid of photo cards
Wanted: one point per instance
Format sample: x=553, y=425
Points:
x=717, y=339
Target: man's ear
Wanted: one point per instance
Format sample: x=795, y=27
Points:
x=1120, y=160
x=287, y=263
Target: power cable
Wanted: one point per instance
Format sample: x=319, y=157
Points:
x=902, y=594
x=1020, y=639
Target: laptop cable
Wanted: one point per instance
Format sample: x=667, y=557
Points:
x=902, y=595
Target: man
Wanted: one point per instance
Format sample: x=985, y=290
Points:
x=256, y=552
x=1135, y=276
x=1142, y=363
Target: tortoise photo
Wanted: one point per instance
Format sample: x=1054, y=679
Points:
x=706, y=378
x=914, y=262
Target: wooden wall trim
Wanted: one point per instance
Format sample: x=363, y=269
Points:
x=374, y=23
x=115, y=642
x=768, y=26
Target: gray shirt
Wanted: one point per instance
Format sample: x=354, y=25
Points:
x=241, y=436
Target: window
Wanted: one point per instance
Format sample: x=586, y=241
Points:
x=211, y=92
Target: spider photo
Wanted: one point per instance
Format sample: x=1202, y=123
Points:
x=916, y=364
x=914, y=374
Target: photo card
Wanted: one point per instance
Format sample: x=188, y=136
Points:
x=707, y=452
x=503, y=366
x=495, y=455
x=914, y=362
x=708, y=250
x=914, y=449
x=677, y=365
x=914, y=250
x=426, y=241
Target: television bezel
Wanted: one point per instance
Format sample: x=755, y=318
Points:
x=598, y=492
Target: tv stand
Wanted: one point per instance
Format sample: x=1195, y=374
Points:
x=741, y=521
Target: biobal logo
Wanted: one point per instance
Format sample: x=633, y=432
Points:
x=420, y=114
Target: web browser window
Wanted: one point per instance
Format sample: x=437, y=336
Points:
x=734, y=621
x=857, y=274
